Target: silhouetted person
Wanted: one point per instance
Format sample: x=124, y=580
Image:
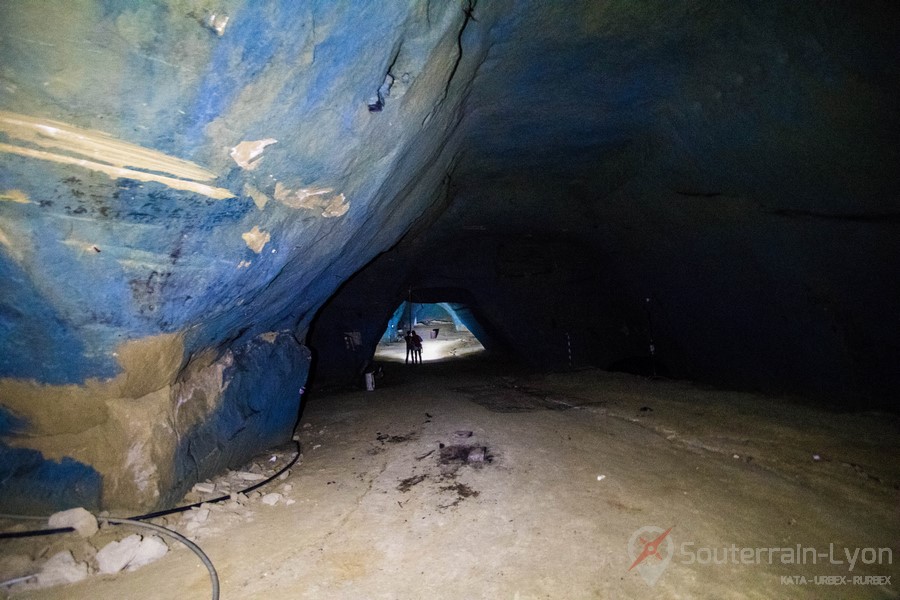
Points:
x=417, y=348
x=410, y=347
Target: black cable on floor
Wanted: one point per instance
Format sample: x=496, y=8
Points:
x=213, y=576
x=178, y=509
x=5, y=535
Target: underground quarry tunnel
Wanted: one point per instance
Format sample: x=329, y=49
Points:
x=672, y=225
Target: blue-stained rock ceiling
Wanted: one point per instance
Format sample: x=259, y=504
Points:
x=197, y=197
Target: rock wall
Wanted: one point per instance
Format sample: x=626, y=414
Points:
x=180, y=182
x=716, y=179
x=185, y=183
x=139, y=440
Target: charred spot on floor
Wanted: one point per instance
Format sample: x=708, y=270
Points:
x=472, y=454
x=395, y=439
x=406, y=484
x=453, y=457
x=462, y=492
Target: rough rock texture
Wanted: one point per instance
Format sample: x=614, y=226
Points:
x=714, y=180
x=185, y=183
x=172, y=174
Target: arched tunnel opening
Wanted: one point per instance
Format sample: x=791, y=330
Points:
x=672, y=226
x=364, y=325
x=447, y=327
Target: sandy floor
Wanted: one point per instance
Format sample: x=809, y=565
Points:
x=575, y=465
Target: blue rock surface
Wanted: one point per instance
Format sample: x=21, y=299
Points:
x=191, y=193
x=173, y=169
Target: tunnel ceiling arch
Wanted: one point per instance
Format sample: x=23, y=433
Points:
x=185, y=187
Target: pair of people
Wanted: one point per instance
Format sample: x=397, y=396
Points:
x=413, y=347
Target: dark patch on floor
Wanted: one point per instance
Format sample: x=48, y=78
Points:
x=409, y=482
x=455, y=456
x=395, y=439
x=511, y=398
x=454, y=453
x=473, y=454
x=462, y=492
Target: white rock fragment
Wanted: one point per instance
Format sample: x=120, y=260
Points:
x=132, y=552
x=204, y=487
x=601, y=477
x=247, y=476
x=271, y=499
x=200, y=515
x=152, y=548
x=287, y=487
x=289, y=502
x=217, y=22
x=284, y=475
x=115, y=556
x=83, y=522
x=61, y=569
x=476, y=455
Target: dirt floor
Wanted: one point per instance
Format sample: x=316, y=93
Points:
x=468, y=479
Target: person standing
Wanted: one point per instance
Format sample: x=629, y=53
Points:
x=410, y=347
x=417, y=348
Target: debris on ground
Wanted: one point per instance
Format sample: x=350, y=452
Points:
x=60, y=569
x=271, y=499
x=79, y=519
x=130, y=553
x=112, y=550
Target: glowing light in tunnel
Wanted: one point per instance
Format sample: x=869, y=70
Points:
x=444, y=336
x=432, y=350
